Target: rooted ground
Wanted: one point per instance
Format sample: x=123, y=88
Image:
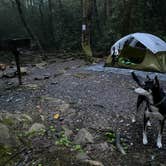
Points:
x=98, y=101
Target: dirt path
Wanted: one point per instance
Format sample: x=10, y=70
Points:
x=97, y=101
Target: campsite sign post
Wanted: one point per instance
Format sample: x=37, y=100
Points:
x=86, y=29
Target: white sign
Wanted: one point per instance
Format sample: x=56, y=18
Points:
x=84, y=27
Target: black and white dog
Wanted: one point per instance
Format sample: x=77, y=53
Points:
x=153, y=95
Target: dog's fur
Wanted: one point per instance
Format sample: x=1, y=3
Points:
x=153, y=95
x=147, y=84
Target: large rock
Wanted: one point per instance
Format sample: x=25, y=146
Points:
x=57, y=104
x=15, y=118
x=83, y=137
x=24, y=70
x=4, y=134
x=36, y=127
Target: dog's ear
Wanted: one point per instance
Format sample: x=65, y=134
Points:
x=156, y=81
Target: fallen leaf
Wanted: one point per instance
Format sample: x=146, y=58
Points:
x=56, y=116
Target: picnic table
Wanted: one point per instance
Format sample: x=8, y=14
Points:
x=15, y=46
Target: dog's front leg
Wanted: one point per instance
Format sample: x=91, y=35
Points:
x=159, y=137
x=146, y=119
x=140, y=100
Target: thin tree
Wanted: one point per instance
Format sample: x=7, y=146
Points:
x=27, y=27
x=96, y=16
x=126, y=24
x=51, y=24
x=86, y=29
x=41, y=6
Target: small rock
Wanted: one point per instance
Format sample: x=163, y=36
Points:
x=93, y=163
x=82, y=156
x=102, y=146
x=63, y=107
x=41, y=65
x=26, y=117
x=52, y=149
x=38, y=78
x=161, y=164
x=54, y=83
x=36, y=127
x=9, y=99
x=42, y=77
x=46, y=76
x=83, y=137
x=67, y=131
x=42, y=118
x=9, y=73
x=60, y=72
x=17, y=100
x=4, y=134
x=31, y=86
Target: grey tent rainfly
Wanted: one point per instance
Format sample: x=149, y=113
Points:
x=141, y=51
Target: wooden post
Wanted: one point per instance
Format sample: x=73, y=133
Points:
x=17, y=59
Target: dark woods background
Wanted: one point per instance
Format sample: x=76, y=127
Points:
x=57, y=23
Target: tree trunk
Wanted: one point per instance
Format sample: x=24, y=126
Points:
x=96, y=17
x=29, y=31
x=62, y=23
x=51, y=24
x=41, y=6
x=86, y=29
x=127, y=16
x=107, y=10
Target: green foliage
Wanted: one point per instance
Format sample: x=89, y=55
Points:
x=64, y=141
x=127, y=16
x=6, y=152
x=77, y=147
x=111, y=136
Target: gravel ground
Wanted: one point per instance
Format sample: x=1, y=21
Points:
x=98, y=101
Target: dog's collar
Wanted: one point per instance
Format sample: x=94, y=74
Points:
x=162, y=100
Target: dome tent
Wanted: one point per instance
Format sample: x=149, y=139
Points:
x=140, y=51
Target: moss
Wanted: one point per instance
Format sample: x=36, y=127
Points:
x=5, y=154
x=7, y=121
x=81, y=75
x=88, y=53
